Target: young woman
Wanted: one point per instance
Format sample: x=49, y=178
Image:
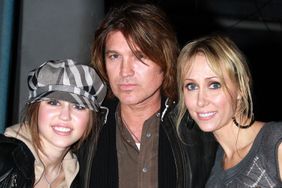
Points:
x=62, y=110
x=215, y=86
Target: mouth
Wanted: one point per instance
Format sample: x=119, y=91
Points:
x=206, y=115
x=62, y=130
x=127, y=87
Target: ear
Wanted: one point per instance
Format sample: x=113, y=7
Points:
x=239, y=95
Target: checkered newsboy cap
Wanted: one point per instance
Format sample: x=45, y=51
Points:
x=66, y=80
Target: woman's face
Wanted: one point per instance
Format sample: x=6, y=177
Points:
x=61, y=123
x=208, y=102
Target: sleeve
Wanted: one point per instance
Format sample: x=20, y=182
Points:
x=272, y=138
x=7, y=146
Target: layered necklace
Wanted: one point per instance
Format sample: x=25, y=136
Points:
x=49, y=182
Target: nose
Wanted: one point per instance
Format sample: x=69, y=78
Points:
x=65, y=113
x=202, y=98
x=126, y=69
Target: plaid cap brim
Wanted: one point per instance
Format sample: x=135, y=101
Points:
x=80, y=83
x=66, y=96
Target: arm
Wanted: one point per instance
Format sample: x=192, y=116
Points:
x=280, y=160
x=6, y=165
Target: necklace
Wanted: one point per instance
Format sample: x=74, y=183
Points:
x=131, y=133
x=57, y=175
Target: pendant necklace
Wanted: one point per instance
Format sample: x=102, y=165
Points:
x=130, y=131
x=50, y=182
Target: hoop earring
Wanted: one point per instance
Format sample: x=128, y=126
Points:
x=243, y=126
x=187, y=120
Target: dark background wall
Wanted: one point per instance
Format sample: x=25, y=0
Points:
x=255, y=26
x=65, y=29
x=49, y=30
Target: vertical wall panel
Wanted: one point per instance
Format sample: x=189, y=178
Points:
x=54, y=30
x=6, y=26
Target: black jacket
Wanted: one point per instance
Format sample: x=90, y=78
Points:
x=17, y=164
x=180, y=165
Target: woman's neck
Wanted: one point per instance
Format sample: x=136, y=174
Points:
x=53, y=174
x=236, y=142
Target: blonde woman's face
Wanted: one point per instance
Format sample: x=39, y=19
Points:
x=208, y=103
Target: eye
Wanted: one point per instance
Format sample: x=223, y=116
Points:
x=140, y=55
x=53, y=102
x=215, y=85
x=112, y=56
x=191, y=86
x=79, y=107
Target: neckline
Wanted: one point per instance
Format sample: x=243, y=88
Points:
x=230, y=172
x=54, y=179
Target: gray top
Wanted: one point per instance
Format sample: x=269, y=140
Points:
x=260, y=166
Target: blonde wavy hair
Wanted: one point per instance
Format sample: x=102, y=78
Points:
x=224, y=57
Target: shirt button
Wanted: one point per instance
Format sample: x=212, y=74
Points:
x=145, y=169
x=148, y=135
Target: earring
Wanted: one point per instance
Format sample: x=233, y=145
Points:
x=187, y=120
x=243, y=126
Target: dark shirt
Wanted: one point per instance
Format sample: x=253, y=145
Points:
x=138, y=168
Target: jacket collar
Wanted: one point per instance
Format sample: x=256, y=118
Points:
x=166, y=106
x=109, y=106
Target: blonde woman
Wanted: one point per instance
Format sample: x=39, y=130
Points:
x=215, y=86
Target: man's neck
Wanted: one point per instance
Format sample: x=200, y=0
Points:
x=136, y=115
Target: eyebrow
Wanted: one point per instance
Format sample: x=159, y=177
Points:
x=110, y=51
x=208, y=78
x=212, y=77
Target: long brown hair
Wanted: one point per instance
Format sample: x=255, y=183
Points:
x=30, y=119
x=147, y=27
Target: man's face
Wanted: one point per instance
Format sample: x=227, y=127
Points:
x=132, y=81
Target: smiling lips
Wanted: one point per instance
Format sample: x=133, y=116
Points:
x=206, y=115
x=62, y=130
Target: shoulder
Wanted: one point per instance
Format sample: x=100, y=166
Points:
x=108, y=107
x=7, y=147
x=268, y=141
x=8, y=144
x=274, y=126
x=10, y=147
x=15, y=155
x=271, y=132
x=110, y=103
x=268, y=137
